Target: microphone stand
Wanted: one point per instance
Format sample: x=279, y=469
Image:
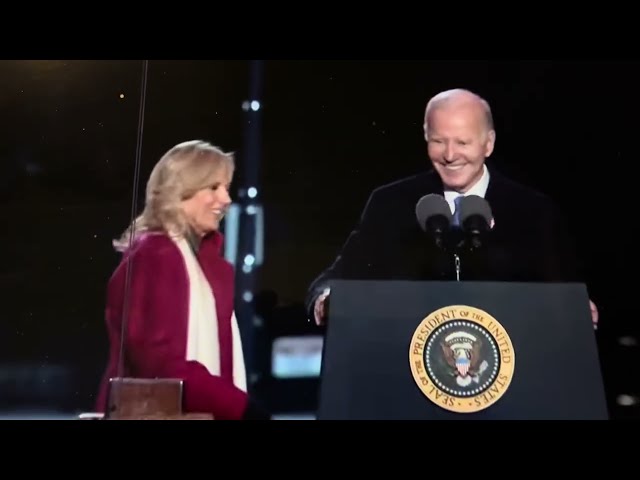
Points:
x=474, y=229
x=457, y=260
x=456, y=246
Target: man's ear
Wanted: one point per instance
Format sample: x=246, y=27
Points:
x=491, y=141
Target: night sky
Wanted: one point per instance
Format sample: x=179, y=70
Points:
x=332, y=131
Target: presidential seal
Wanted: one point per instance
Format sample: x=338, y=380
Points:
x=462, y=358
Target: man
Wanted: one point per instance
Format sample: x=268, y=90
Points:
x=529, y=241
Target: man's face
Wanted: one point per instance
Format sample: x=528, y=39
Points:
x=458, y=143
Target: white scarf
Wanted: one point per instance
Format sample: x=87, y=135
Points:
x=203, y=344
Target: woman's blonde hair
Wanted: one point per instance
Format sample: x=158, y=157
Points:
x=178, y=175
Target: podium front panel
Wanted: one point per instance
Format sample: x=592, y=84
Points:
x=366, y=368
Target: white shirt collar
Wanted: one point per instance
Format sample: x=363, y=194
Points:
x=480, y=189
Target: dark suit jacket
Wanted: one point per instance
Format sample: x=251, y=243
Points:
x=529, y=242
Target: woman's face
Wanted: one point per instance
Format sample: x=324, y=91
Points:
x=205, y=209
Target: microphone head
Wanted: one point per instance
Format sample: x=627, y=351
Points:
x=475, y=209
x=433, y=208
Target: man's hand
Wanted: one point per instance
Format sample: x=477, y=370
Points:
x=594, y=314
x=319, y=308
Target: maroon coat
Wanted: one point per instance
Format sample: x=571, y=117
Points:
x=156, y=332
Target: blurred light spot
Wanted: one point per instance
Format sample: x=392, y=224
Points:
x=33, y=168
x=122, y=95
x=628, y=341
x=296, y=356
x=627, y=400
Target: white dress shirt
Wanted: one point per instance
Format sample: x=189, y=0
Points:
x=480, y=189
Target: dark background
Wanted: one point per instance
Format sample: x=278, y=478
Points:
x=331, y=132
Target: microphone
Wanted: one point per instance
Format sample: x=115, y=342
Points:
x=434, y=216
x=475, y=218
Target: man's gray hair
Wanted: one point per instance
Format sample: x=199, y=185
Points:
x=457, y=95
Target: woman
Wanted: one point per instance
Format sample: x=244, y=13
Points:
x=177, y=304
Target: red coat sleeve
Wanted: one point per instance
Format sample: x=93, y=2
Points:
x=157, y=330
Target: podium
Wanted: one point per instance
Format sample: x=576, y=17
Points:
x=403, y=350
